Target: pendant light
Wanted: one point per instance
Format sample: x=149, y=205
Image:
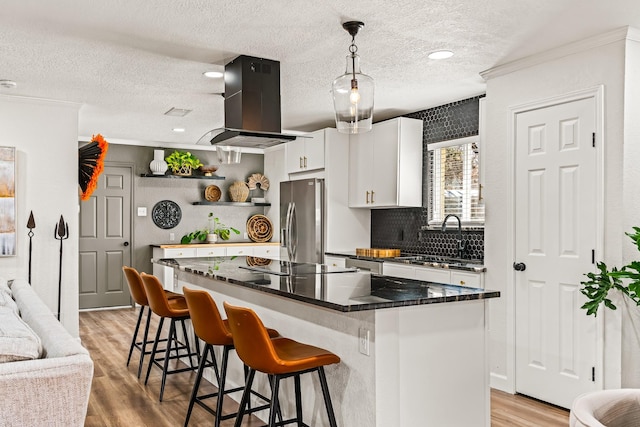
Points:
x=353, y=91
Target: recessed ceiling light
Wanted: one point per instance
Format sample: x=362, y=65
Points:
x=178, y=129
x=178, y=112
x=213, y=74
x=440, y=54
x=8, y=84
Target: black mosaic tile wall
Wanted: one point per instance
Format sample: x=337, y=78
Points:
x=402, y=228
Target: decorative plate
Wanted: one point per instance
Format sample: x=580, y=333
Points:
x=212, y=193
x=259, y=228
x=253, y=261
x=166, y=214
x=258, y=180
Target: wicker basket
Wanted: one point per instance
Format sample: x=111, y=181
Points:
x=212, y=193
x=238, y=192
x=185, y=170
x=259, y=228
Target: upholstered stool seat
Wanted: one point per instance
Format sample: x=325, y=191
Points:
x=176, y=310
x=139, y=296
x=213, y=331
x=278, y=357
x=606, y=408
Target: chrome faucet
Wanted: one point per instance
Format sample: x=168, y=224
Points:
x=461, y=244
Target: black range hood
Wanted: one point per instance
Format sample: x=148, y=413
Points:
x=251, y=105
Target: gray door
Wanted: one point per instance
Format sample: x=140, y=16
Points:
x=105, y=234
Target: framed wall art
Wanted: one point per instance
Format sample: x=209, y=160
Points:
x=7, y=201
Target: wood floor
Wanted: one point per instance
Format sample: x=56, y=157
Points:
x=119, y=398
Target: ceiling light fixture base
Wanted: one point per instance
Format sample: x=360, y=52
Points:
x=352, y=27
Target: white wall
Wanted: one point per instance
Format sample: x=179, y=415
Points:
x=592, y=63
x=45, y=134
x=631, y=205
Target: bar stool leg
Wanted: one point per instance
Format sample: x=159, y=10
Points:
x=327, y=397
x=153, y=350
x=172, y=334
x=196, y=384
x=143, y=350
x=221, y=382
x=296, y=380
x=245, y=397
x=186, y=341
x=275, y=387
x=135, y=334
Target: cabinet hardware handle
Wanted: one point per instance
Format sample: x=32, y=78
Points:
x=300, y=162
x=480, y=198
x=372, y=193
x=305, y=162
x=367, y=197
x=462, y=282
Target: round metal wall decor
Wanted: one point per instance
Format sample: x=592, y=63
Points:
x=166, y=214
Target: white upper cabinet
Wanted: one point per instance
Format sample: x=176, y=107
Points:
x=385, y=165
x=306, y=154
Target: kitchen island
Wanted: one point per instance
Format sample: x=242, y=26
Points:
x=413, y=353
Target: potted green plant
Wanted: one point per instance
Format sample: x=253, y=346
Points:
x=182, y=162
x=215, y=230
x=218, y=229
x=626, y=281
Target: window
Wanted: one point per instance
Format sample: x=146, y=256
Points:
x=454, y=181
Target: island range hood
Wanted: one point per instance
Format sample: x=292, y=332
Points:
x=251, y=105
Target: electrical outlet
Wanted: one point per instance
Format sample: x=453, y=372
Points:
x=246, y=236
x=172, y=237
x=363, y=341
x=142, y=211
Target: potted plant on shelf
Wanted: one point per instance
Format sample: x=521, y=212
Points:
x=218, y=229
x=182, y=162
x=215, y=230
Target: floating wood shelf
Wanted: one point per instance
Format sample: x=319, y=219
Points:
x=149, y=175
x=246, y=204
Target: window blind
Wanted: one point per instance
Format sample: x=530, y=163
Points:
x=454, y=181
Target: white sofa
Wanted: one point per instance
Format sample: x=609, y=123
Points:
x=53, y=389
x=606, y=408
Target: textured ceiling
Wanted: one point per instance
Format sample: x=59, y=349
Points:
x=129, y=61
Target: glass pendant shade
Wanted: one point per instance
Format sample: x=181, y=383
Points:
x=353, y=98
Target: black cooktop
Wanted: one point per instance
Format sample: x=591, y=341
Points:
x=286, y=268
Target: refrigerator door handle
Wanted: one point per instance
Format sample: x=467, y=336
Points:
x=293, y=233
x=285, y=232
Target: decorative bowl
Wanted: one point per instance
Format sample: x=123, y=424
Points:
x=208, y=170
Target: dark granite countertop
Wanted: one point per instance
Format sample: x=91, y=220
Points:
x=341, y=291
x=421, y=260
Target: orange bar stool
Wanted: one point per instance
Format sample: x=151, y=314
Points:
x=278, y=357
x=213, y=331
x=136, y=288
x=176, y=310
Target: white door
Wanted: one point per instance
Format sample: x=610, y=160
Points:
x=555, y=234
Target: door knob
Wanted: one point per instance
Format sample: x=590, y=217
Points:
x=519, y=266
x=126, y=243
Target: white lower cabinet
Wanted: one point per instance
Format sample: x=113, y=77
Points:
x=335, y=261
x=436, y=275
x=165, y=274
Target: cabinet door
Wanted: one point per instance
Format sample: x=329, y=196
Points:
x=384, y=168
x=211, y=251
x=313, y=157
x=335, y=261
x=398, y=270
x=294, y=156
x=272, y=252
x=464, y=278
x=239, y=250
x=360, y=169
x=436, y=275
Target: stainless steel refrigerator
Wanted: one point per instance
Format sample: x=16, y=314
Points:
x=302, y=219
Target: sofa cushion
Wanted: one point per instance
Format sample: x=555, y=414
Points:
x=6, y=300
x=4, y=286
x=17, y=340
